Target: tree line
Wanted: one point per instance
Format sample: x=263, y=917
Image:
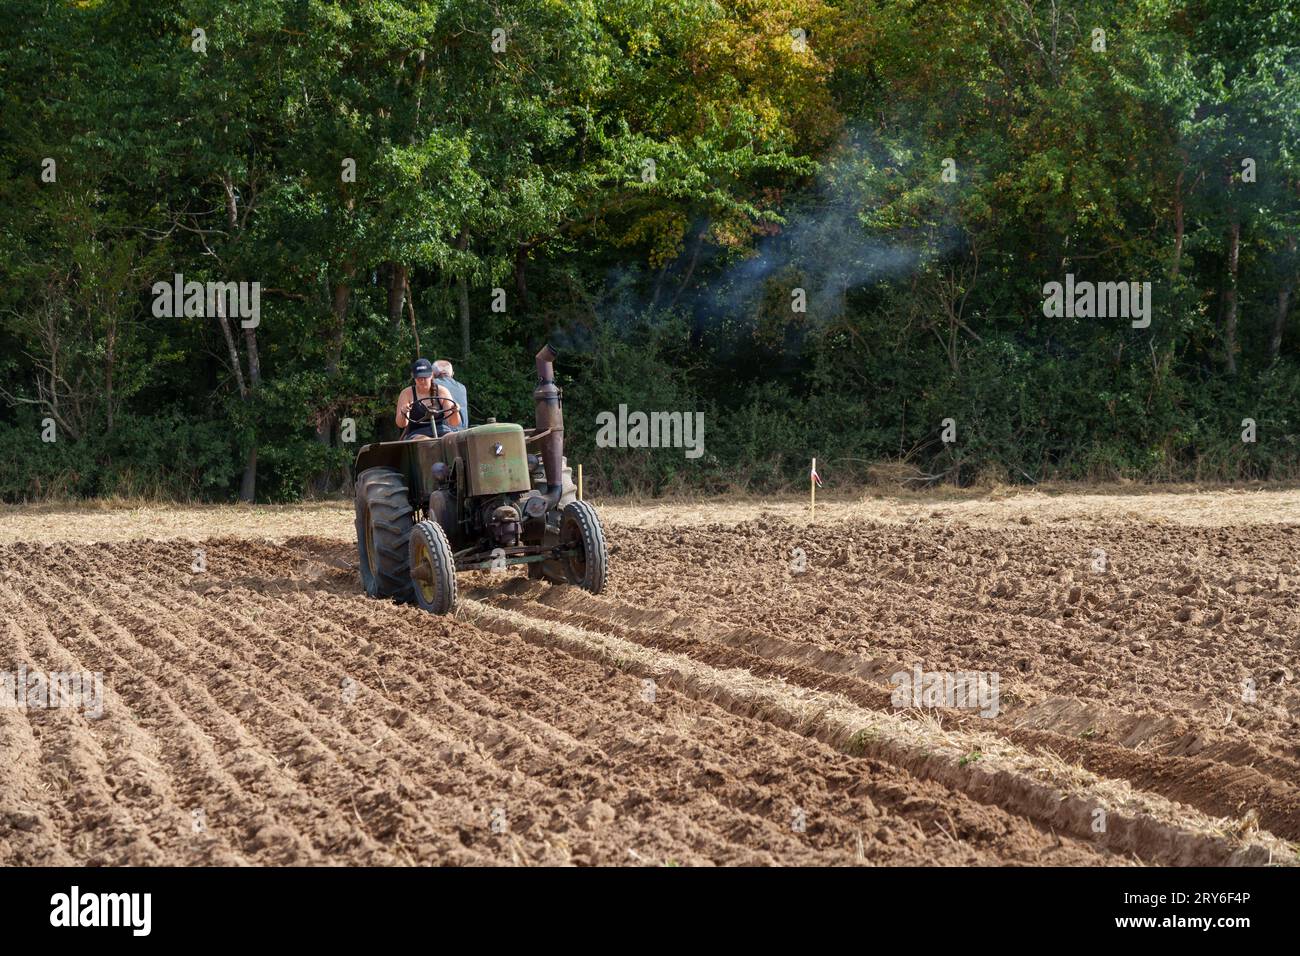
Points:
x=828, y=226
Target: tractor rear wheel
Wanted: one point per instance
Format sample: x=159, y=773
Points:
x=433, y=568
x=580, y=529
x=384, y=521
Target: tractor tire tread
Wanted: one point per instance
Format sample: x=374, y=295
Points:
x=383, y=491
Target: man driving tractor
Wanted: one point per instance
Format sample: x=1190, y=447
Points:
x=425, y=409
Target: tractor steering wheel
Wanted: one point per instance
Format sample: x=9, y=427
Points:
x=435, y=405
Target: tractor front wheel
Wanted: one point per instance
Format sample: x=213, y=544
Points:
x=580, y=529
x=433, y=568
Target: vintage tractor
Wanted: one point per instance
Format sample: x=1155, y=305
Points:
x=486, y=497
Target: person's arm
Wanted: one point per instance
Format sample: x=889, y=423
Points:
x=403, y=403
x=452, y=419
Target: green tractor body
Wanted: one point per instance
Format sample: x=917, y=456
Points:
x=476, y=499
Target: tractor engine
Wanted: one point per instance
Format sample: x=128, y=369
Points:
x=500, y=520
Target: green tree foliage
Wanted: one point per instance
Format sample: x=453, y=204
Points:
x=652, y=185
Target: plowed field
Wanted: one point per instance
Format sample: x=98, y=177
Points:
x=728, y=699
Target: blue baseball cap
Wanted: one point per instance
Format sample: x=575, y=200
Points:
x=423, y=368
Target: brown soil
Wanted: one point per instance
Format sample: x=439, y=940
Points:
x=714, y=706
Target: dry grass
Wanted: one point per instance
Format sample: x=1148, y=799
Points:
x=993, y=506
x=125, y=520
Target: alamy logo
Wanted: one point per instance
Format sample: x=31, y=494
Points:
x=1098, y=300
x=41, y=690
x=970, y=690
x=103, y=909
x=194, y=299
x=655, y=430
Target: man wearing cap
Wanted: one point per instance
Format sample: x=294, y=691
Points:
x=416, y=406
x=442, y=371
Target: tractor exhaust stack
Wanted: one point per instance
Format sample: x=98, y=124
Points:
x=550, y=417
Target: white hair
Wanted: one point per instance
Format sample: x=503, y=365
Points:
x=443, y=367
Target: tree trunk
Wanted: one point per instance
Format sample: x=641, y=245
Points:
x=1230, y=296
x=248, y=487
x=340, y=299
x=396, y=295
x=254, y=363
x=410, y=310
x=1283, y=304
x=462, y=297
x=110, y=360
x=659, y=285
x=697, y=323
x=234, y=352
x=248, y=484
x=521, y=279
x=1279, y=322
x=1178, y=227
x=690, y=266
